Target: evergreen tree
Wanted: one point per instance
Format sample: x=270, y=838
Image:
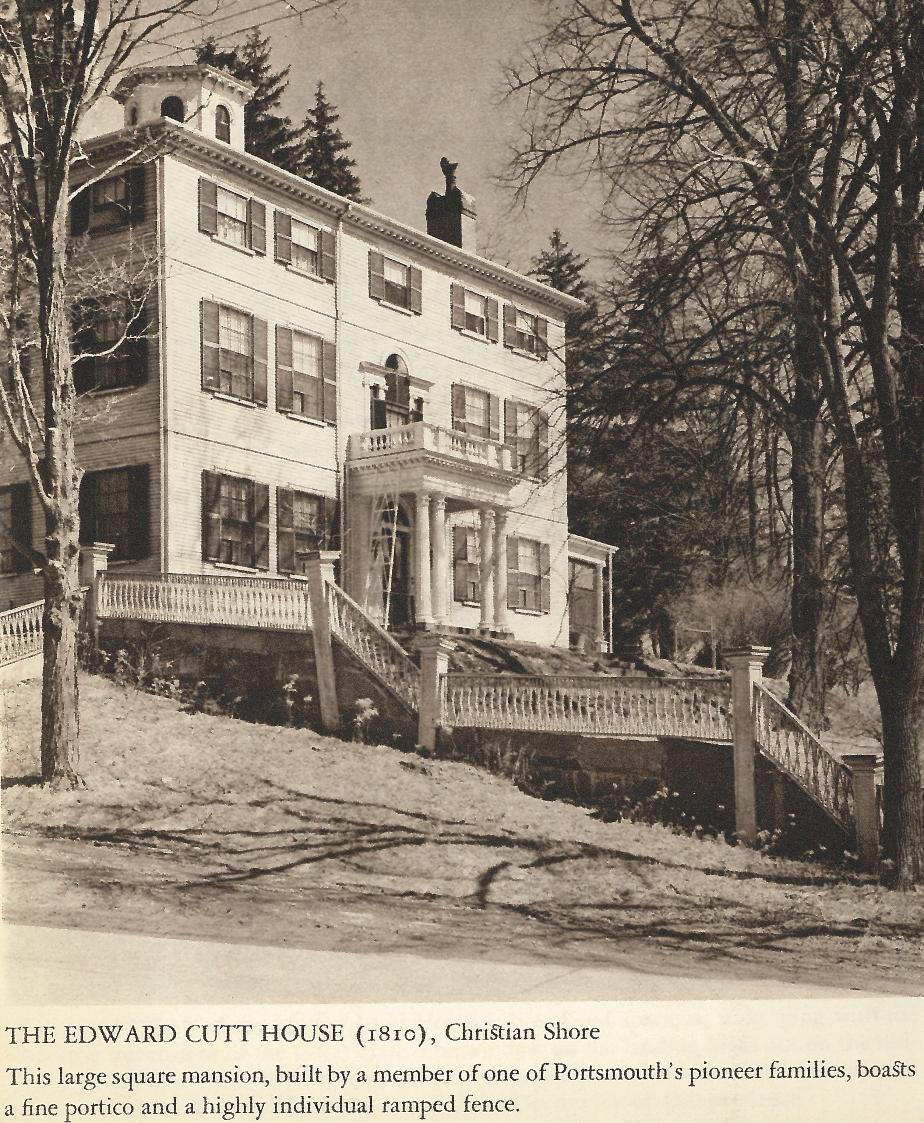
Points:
x=327, y=161
x=267, y=132
x=561, y=268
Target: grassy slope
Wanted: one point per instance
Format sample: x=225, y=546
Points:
x=193, y=824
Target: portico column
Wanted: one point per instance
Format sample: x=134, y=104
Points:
x=599, y=635
x=422, y=537
x=500, y=571
x=438, y=545
x=487, y=567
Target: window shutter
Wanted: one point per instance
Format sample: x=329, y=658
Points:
x=510, y=428
x=457, y=306
x=376, y=275
x=135, y=181
x=138, y=344
x=211, y=515
x=378, y=413
x=261, y=526
x=458, y=408
x=493, y=417
x=283, y=237
x=21, y=524
x=285, y=530
x=545, y=568
x=513, y=574
x=256, y=226
x=328, y=256
x=283, y=369
x=329, y=377
x=209, y=344
x=139, y=511
x=80, y=212
x=490, y=315
x=542, y=337
x=459, y=563
x=330, y=537
x=208, y=207
x=86, y=507
x=542, y=449
x=415, y=281
x=510, y=326
x=259, y=360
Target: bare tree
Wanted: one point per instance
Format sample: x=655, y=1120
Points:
x=813, y=115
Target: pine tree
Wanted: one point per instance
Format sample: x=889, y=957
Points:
x=326, y=160
x=267, y=133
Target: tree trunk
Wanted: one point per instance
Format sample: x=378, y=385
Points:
x=903, y=741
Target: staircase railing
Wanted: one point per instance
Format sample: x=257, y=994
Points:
x=189, y=598
x=796, y=751
x=593, y=704
x=21, y=632
x=373, y=646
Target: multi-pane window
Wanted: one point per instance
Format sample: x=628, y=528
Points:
x=223, y=124
x=582, y=601
x=397, y=286
x=466, y=571
x=395, y=283
x=528, y=574
x=112, y=363
x=232, y=217
x=475, y=317
x=112, y=523
x=114, y=507
x=110, y=192
x=110, y=203
x=475, y=412
x=235, y=521
x=306, y=247
x=235, y=510
x=235, y=348
x=526, y=432
x=306, y=375
x=525, y=331
x=15, y=525
x=305, y=524
x=473, y=313
x=527, y=335
x=110, y=344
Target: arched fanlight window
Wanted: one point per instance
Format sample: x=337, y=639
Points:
x=173, y=108
x=223, y=123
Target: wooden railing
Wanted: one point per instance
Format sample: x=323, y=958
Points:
x=795, y=750
x=189, y=598
x=21, y=632
x=594, y=704
x=374, y=647
x=422, y=436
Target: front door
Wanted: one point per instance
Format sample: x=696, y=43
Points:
x=397, y=599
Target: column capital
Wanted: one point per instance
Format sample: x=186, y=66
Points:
x=432, y=643
x=861, y=762
x=438, y=499
x=750, y=656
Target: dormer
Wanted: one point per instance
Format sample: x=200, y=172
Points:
x=199, y=97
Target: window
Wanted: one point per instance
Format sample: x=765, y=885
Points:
x=526, y=431
x=231, y=217
x=475, y=412
x=223, y=124
x=114, y=507
x=525, y=332
x=15, y=525
x=306, y=375
x=235, y=521
x=304, y=523
x=466, y=570
x=111, y=346
x=233, y=352
x=173, y=108
x=582, y=601
x=396, y=407
x=110, y=203
x=473, y=312
x=394, y=283
x=304, y=247
x=528, y=575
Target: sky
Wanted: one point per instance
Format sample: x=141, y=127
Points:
x=415, y=80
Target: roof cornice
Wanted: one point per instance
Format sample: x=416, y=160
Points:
x=168, y=136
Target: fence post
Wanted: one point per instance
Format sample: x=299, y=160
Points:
x=865, y=811
x=434, y=663
x=746, y=665
x=320, y=571
x=94, y=560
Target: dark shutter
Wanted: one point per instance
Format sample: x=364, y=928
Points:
x=21, y=525
x=261, y=526
x=329, y=381
x=209, y=345
x=458, y=408
x=376, y=275
x=493, y=417
x=545, y=568
x=80, y=212
x=256, y=226
x=283, y=369
x=510, y=428
x=510, y=326
x=415, y=281
x=211, y=515
x=285, y=530
x=283, y=237
x=86, y=506
x=138, y=544
x=542, y=337
x=208, y=207
x=138, y=329
x=490, y=314
x=460, y=570
x=378, y=413
x=328, y=256
x=330, y=522
x=259, y=360
x=513, y=572
x=542, y=446
x=135, y=181
x=457, y=306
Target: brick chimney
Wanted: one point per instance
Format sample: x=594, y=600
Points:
x=451, y=217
